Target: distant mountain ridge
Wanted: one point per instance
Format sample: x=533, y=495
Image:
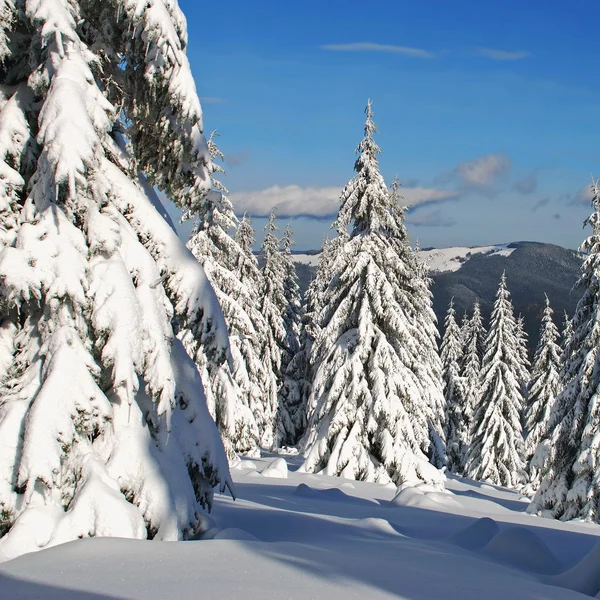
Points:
x=467, y=274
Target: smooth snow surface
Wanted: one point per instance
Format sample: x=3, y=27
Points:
x=314, y=536
x=438, y=260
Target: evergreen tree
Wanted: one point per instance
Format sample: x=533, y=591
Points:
x=272, y=304
x=103, y=421
x=570, y=485
x=292, y=309
x=542, y=391
x=454, y=393
x=230, y=396
x=473, y=350
x=371, y=396
x=294, y=358
x=496, y=451
x=262, y=377
x=425, y=322
x=523, y=354
x=567, y=335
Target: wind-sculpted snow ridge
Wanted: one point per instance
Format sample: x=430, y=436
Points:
x=322, y=537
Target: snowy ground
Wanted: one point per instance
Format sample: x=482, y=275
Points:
x=439, y=260
x=308, y=536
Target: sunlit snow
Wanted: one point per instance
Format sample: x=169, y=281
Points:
x=314, y=536
x=438, y=260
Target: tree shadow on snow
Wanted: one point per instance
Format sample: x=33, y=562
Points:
x=342, y=539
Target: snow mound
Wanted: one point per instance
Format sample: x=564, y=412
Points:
x=240, y=465
x=329, y=494
x=423, y=496
x=278, y=468
x=522, y=548
x=234, y=533
x=378, y=526
x=476, y=535
x=584, y=577
x=252, y=473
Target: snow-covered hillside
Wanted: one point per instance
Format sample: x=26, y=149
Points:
x=439, y=260
x=298, y=536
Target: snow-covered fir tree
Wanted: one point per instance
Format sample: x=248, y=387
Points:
x=274, y=419
x=454, y=393
x=292, y=311
x=566, y=336
x=523, y=354
x=293, y=362
x=570, y=478
x=496, y=450
x=425, y=323
x=104, y=425
x=372, y=390
x=254, y=349
x=231, y=391
x=541, y=393
x=473, y=337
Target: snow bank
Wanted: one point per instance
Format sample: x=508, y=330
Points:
x=476, y=535
x=522, y=548
x=233, y=533
x=278, y=468
x=423, y=495
x=333, y=494
x=584, y=577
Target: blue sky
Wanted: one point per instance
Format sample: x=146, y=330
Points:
x=487, y=111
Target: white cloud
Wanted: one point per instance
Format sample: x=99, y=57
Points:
x=502, y=54
x=482, y=171
x=371, y=47
x=319, y=202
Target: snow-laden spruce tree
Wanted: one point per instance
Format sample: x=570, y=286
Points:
x=473, y=336
x=104, y=426
x=496, y=450
x=570, y=478
x=299, y=372
x=541, y=393
x=272, y=305
x=566, y=336
x=425, y=323
x=293, y=360
x=523, y=354
x=231, y=391
x=371, y=402
x=454, y=393
x=254, y=348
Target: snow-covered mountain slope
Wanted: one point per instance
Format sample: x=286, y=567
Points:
x=443, y=260
x=300, y=536
x=439, y=260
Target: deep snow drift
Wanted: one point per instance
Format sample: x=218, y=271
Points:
x=296, y=535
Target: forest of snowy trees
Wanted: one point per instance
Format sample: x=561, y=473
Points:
x=134, y=365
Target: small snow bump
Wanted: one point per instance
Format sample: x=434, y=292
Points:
x=278, y=469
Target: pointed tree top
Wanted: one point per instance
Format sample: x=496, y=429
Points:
x=368, y=145
x=288, y=238
x=270, y=227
